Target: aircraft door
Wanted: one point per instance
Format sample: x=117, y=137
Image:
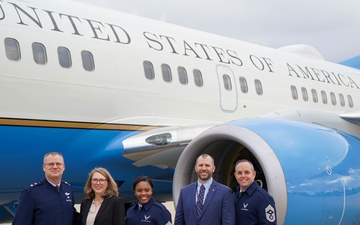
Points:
x=227, y=88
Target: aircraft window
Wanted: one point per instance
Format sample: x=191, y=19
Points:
x=12, y=49
x=324, y=97
x=258, y=87
x=294, y=92
x=64, y=57
x=314, y=95
x=243, y=85
x=342, y=100
x=333, y=98
x=149, y=70
x=166, y=72
x=39, y=53
x=87, y=60
x=183, y=77
x=304, y=94
x=198, y=78
x=227, y=82
x=351, y=103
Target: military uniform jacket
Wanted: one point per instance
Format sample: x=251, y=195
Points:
x=254, y=206
x=42, y=204
x=151, y=213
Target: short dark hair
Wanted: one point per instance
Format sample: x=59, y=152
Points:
x=204, y=156
x=245, y=160
x=142, y=178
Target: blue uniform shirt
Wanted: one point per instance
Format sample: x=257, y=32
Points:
x=42, y=204
x=254, y=206
x=151, y=213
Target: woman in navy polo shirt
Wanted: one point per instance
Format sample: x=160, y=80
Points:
x=146, y=210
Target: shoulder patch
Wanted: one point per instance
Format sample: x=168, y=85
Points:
x=270, y=213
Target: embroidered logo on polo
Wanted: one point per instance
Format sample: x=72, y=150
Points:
x=146, y=219
x=245, y=207
x=270, y=213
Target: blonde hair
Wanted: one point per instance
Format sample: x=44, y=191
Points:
x=110, y=191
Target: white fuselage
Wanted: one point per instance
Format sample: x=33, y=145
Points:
x=117, y=91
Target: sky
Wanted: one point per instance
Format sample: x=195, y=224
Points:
x=331, y=26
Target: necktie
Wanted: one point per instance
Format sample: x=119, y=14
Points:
x=58, y=188
x=200, y=199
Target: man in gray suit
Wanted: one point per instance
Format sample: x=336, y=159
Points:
x=205, y=201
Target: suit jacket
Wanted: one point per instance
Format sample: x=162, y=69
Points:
x=218, y=208
x=111, y=211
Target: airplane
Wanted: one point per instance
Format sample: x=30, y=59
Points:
x=144, y=97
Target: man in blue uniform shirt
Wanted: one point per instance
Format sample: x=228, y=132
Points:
x=253, y=205
x=49, y=201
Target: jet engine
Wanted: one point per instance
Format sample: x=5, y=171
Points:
x=312, y=171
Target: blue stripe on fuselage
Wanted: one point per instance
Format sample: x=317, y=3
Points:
x=22, y=149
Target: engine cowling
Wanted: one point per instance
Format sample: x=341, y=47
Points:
x=313, y=172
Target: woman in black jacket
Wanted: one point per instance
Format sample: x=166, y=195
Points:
x=102, y=205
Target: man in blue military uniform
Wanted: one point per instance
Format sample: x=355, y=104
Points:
x=253, y=205
x=49, y=201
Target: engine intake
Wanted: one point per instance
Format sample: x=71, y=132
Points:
x=309, y=169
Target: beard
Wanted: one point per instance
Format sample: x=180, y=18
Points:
x=204, y=176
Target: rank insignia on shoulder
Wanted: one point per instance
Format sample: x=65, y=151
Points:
x=65, y=183
x=35, y=184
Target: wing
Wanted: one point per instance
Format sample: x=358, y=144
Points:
x=160, y=147
x=353, y=117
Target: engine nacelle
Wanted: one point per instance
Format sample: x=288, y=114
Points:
x=313, y=172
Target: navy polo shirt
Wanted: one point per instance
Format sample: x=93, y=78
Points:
x=151, y=213
x=254, y=206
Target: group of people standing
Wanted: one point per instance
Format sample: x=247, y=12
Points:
x=204, y=202
x=215, y=203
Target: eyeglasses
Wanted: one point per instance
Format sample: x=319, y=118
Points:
x=100, y=181
x=53, y=164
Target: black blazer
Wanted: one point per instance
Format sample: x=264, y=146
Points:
x=111, y=212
